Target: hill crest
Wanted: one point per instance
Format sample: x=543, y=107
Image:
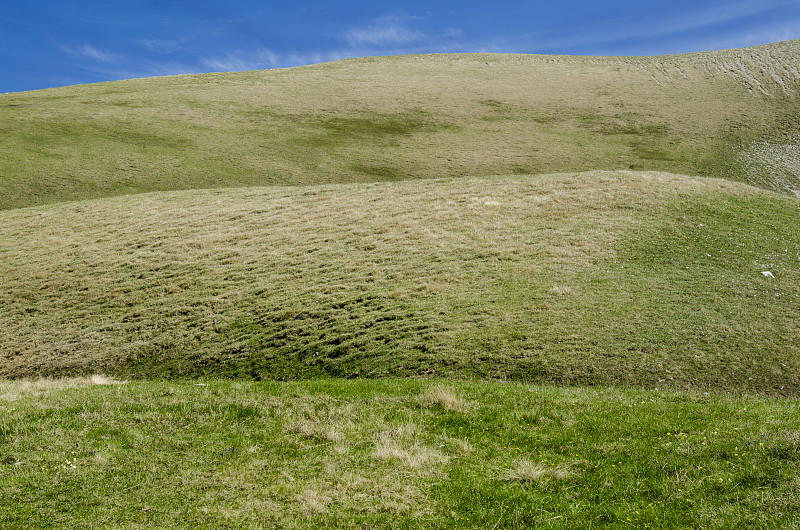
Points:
x=401, y=118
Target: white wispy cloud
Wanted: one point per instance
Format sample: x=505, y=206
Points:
x=164, y=45
x=389, y=30
x=243, y=60
x=264, y=58
x=701, y=29
x=772, y=36
x=710, y=21
x=154, y=69
x=87, y=51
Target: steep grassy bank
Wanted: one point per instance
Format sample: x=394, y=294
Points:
x=596, y=278
x=390, y=453
x=412, y=117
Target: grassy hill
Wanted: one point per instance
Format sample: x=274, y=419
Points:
x=424, y=251
x=601, y=275
x=646, y=279
x=730, y=114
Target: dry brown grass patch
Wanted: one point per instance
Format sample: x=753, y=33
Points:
x=461, y=447
x=536, y=472
x=561, y=290
x=312, y=501
x=401, y=446
x=11, y=390
x=412, y=456
x=442, y=397
x=314, y=430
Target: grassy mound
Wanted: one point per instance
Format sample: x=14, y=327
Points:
x=408, y=117
x=644, y=279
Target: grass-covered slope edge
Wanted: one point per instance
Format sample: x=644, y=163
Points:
x=644, y=279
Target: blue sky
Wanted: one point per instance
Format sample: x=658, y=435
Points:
x=47, y=43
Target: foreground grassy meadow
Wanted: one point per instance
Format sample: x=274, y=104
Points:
x=393, y=454
x=462, y=291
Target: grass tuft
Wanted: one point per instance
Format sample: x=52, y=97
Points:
x=442, y=398
x=20, y=388
x=535, y=472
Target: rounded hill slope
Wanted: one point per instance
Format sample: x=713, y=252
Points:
x=631, y=278
x=407, y=117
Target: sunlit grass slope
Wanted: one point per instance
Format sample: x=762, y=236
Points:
x=628, y=278
x=392, y=454
x=731, y=114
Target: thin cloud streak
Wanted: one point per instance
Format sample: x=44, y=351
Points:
x=662, y=34
x=164, y=46
x=389, y=30
x=774, y=36
x=87, y=51
x=241, y=61
x=267, y=59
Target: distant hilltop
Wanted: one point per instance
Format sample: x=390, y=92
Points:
x=731, y=114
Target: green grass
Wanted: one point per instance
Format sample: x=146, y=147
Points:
x=589, y=341
x=592, y=278
x=392, y=453
x=399, y=118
